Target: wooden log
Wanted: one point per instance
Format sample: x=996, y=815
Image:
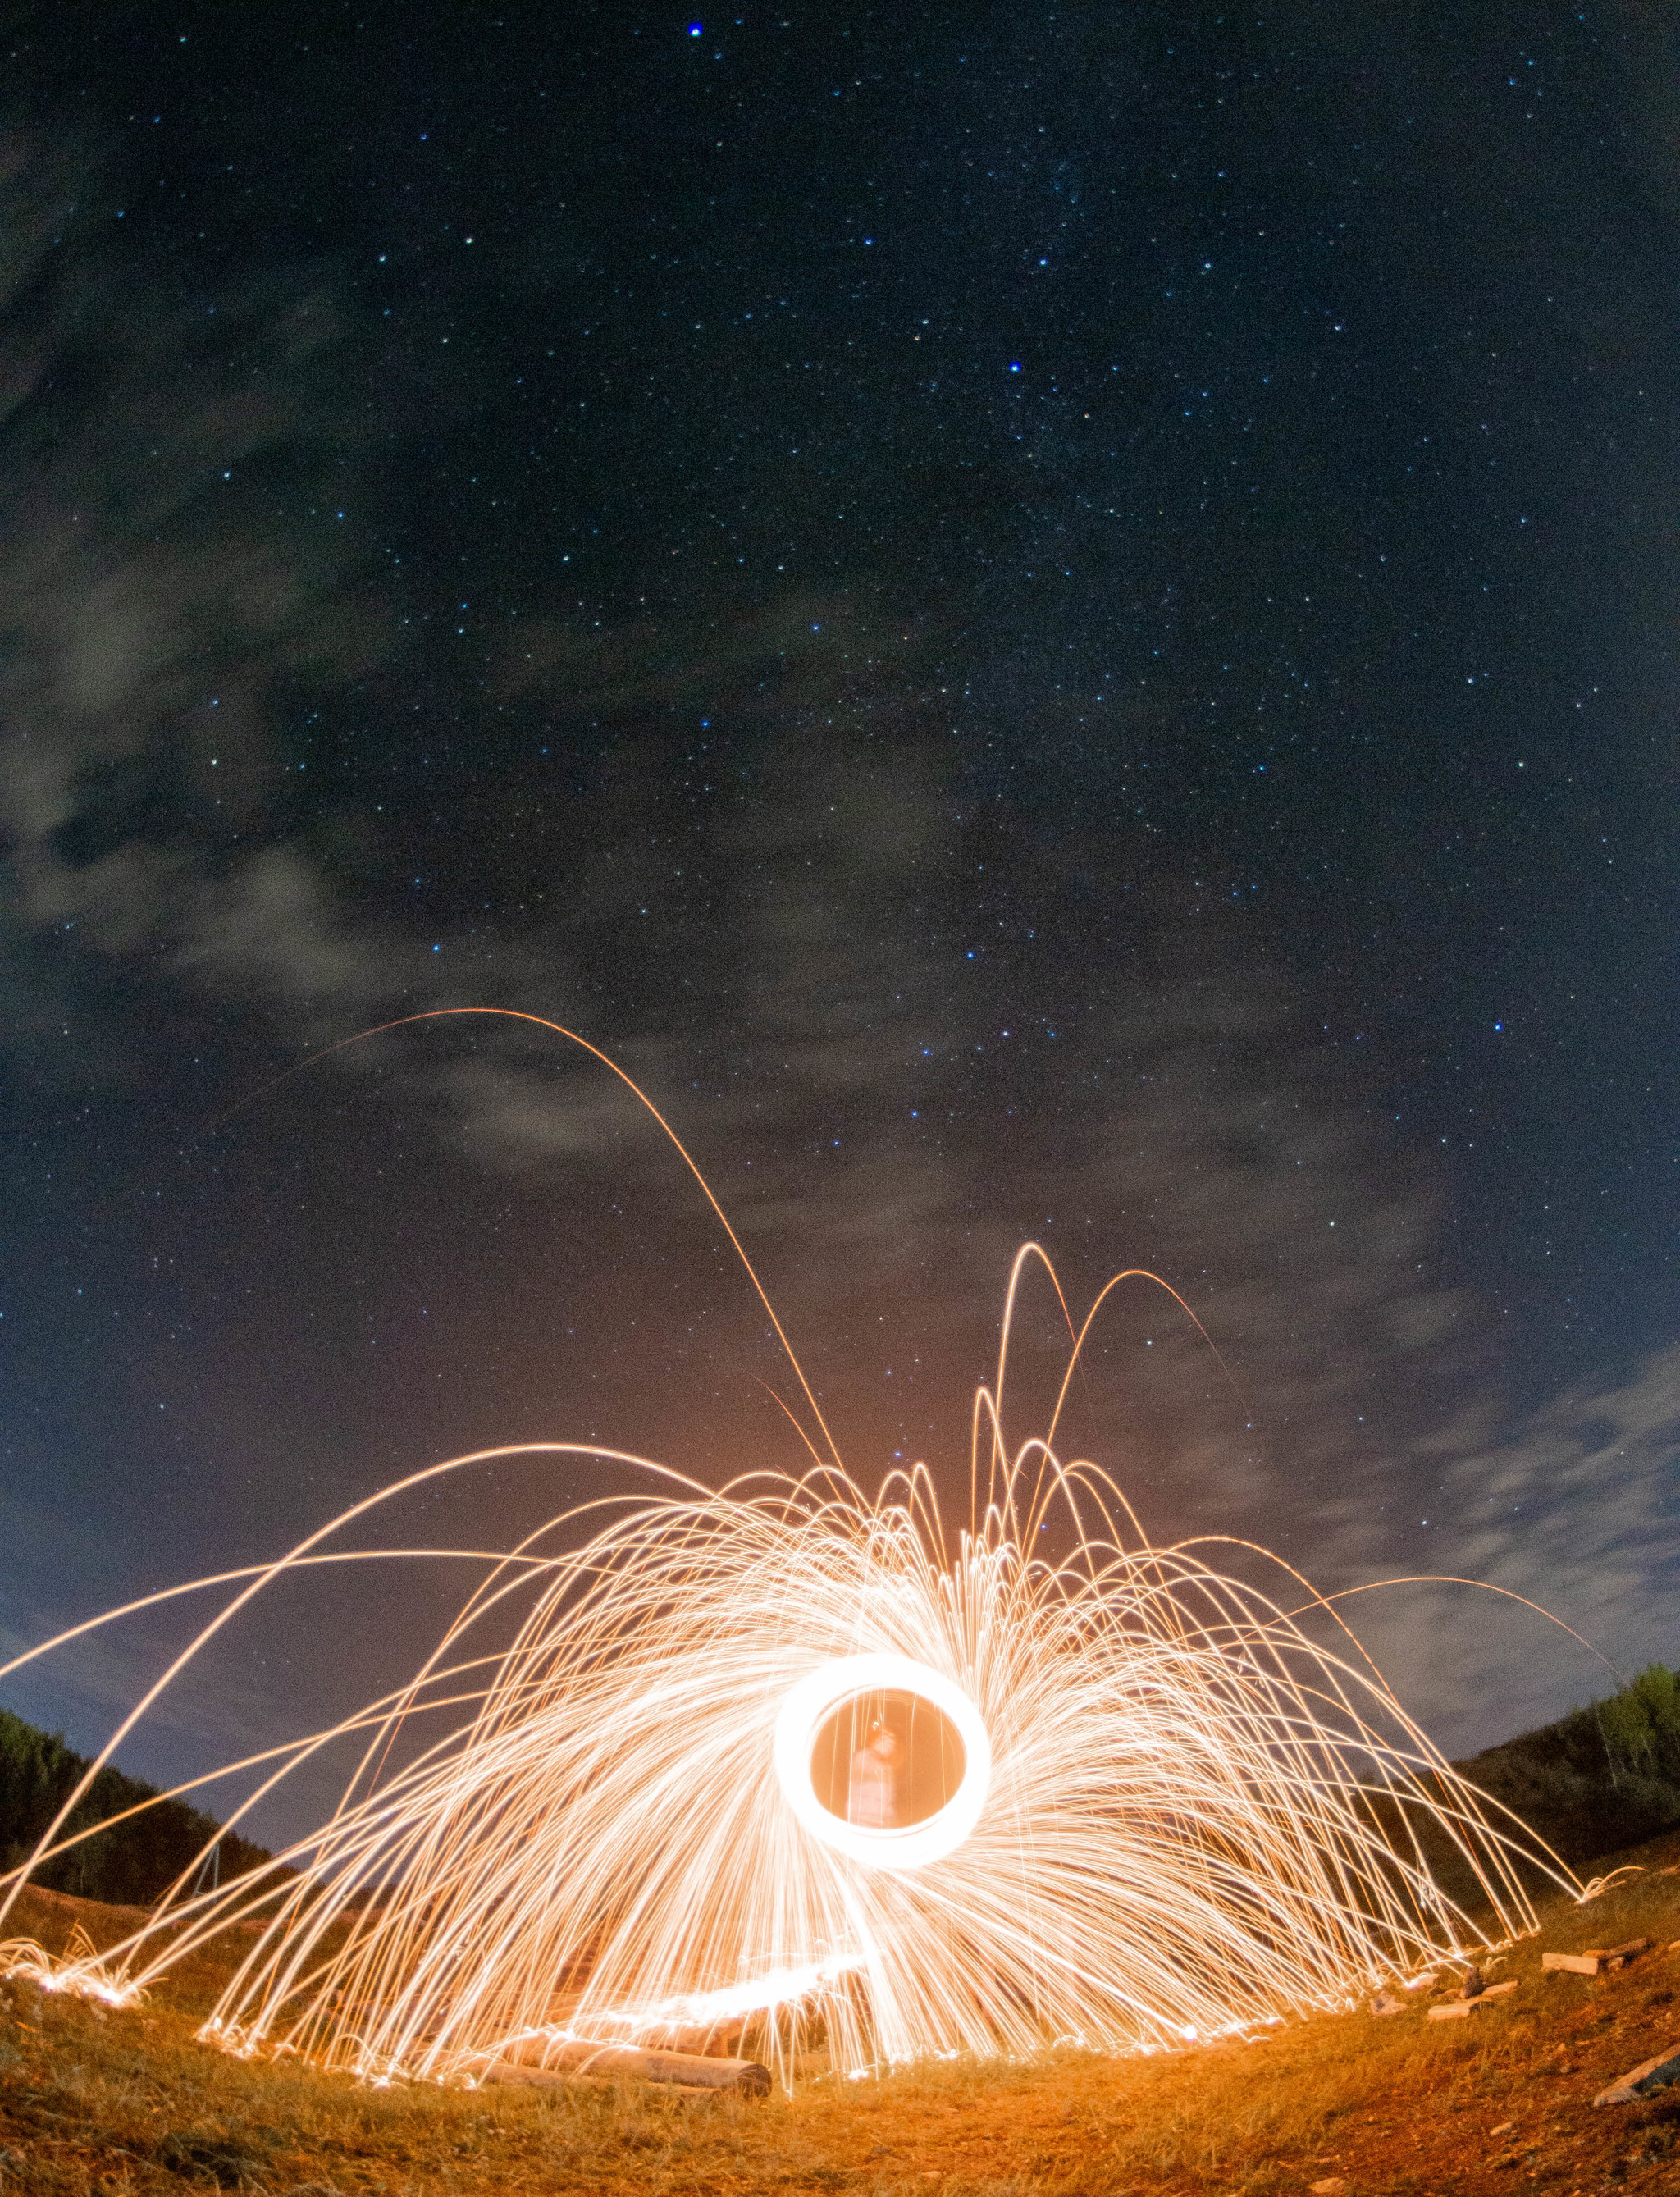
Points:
x=1573, y=1964
x=1619, y=1954
x=695, y=2071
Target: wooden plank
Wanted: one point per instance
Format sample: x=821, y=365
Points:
x=1639, y=2082
x=1596, y=1959
x=1455, y=2009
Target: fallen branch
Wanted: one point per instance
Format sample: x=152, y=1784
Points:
x=695, y=2071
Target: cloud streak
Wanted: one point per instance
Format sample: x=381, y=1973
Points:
x=1572, y=1506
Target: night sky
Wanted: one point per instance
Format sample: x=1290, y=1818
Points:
x=1049, y=621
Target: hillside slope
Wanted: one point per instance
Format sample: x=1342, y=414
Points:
x=1603, y=1777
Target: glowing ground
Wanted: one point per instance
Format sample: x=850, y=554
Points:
x=92, y=2102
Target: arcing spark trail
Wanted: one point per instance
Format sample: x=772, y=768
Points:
x=1149, y=1808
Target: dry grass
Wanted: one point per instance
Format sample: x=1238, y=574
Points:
x=129, y=2102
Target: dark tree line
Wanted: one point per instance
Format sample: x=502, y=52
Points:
x=132, y=1864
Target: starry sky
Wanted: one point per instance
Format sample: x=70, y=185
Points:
x=1051, y=622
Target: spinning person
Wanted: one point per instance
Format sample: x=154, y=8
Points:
x=872, y=1795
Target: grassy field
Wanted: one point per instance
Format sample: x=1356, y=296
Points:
x=127, y=2101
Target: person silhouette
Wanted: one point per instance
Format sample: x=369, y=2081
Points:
x=872, y=1793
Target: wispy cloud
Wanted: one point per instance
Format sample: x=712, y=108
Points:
x=1574, y=1506
x=172, y=569
x=767, y=892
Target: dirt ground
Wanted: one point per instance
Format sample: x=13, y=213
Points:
x=129, y=2104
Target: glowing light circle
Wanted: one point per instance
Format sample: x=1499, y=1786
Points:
x=800, y=1719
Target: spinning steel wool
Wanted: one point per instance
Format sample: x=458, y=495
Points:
x=790, y=1760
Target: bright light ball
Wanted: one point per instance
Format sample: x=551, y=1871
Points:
x=801, y=1717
